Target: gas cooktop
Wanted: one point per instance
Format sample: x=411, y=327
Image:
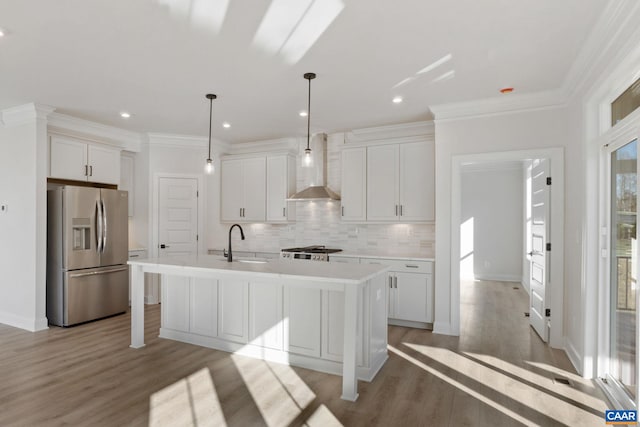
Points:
x=317, y=249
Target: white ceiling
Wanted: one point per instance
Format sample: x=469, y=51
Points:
x=158, y=58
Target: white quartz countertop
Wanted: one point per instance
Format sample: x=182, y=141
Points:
x=316, y=271
x=348, y=254
x=408, y=257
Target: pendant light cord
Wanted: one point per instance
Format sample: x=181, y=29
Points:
x=309, y=114
x=210, y=118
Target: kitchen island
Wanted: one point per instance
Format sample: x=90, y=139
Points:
x=316, y=315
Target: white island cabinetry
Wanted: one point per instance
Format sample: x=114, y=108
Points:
x=312, y=315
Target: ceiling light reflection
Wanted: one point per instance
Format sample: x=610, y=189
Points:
x=291, y=27
x=206, y=14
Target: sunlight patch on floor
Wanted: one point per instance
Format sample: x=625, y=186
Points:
x=460, y=386
x=189, y=401
x=518, y=391
x=540, y=380
x=559, y=372
x=323, y=417
x=278, y=392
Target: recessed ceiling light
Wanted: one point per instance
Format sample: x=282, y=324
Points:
x=397, y=100
x=2, y=33
x=303, y=114
x=506, y=90
x=125, y=115
x=226, y=125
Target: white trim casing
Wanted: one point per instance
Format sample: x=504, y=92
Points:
x=556, y=298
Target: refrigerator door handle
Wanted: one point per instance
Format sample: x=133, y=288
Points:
x=104, y=227
x=98, y=226
x=95, y=273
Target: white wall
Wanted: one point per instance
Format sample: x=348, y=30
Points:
x=492, y=200
x=523, y=130
x=23, y=172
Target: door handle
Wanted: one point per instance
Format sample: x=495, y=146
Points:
x=400, y=210
x=90, y=170
x=395, y=282
x=531, y=253
x=104, y=228
x=396, y=210
x=284, y=211
x=98, y=227
x=163, y=246
x=86, y=170
x=96, y=273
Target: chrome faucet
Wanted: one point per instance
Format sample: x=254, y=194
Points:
x=229, y=255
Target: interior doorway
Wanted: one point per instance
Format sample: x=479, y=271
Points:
x=554, y=271
x=176, y=221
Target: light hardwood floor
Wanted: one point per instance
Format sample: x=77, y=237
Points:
x=497, y=373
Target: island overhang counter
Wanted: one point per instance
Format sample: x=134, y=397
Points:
x=322, y=316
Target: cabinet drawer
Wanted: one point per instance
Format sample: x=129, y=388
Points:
x=402, y=265
x=344, y=260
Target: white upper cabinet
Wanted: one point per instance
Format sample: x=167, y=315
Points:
x=383, y=191
x=354, y=184
x=243, y=190
x=401, y=182
x=417, y=181
x=81, y=161
x=281, y=184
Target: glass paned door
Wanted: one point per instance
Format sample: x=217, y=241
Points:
x=624, y=178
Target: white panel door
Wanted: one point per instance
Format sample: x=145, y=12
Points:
x=539, y=255
x=231, y=190
x=233, y=306
x=203, y=318
x=175, y=305
x=254, y=172
x=302, y=320
x=410, y=294
x=68, y=159
x=104, y=164
x=382, y=183
x=277, y=188
x=266, y=326
x=417, y=181
x=178, y=216
x=354, y=184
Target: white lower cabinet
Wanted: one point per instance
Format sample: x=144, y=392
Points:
x=204, y=295
x=411, y=294
x=266, y=325
x=332, y=326
x=233, y=305
x=187, y=305
x=175, y=303
x=302, y=320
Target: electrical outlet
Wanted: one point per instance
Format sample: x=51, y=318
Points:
x=4, y=208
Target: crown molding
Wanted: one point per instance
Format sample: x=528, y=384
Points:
x=73, y=126
x=618, y=16
x=23, y=114
x=512, y=103
x=288, y=145
x=422, y=130
x=185, y=141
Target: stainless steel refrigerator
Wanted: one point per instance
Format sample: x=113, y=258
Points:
x=87, y=249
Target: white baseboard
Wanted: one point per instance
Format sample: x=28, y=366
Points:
x=525, y=284
x=499, y=277
x=573, y=355
x=26, y=323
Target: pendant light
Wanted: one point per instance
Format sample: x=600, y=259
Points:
x=307, y=152
x=209, y=168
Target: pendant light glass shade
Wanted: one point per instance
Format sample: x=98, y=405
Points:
x=209, y=167
x=308, y=159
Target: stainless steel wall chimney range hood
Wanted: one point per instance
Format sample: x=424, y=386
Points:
x=315, y=175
